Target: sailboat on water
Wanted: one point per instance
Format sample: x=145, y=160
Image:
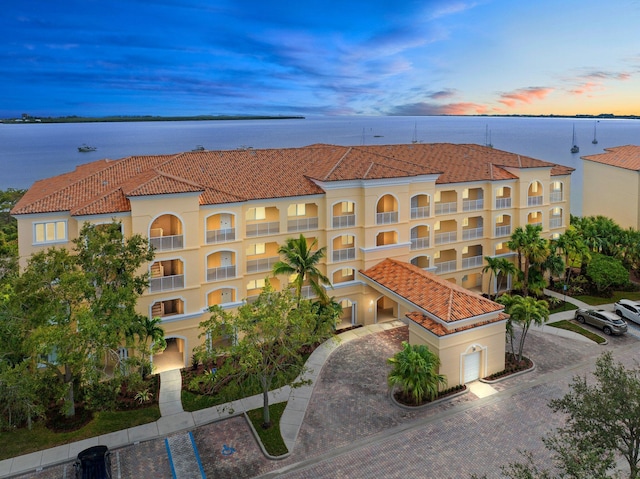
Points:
x=487, y=137
x=595, y=140
x=415, y=133
x=574, y=148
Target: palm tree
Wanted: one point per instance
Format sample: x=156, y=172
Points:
x=492, y=268
x=301, y=260
x=415, y=372
x=505, y=267
x=531, y=248
x=571, y=244
x=149, y=329
x=525, y=311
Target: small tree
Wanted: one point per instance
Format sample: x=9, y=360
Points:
x=415, y=372
x=606, y=272
x=272, y=332
x=524, y=311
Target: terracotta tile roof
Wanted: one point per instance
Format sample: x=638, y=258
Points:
x=627, y=157
x=439, y=330
x=249, y=174
x=429, y=292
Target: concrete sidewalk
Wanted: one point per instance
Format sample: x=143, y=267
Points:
x=174, y=419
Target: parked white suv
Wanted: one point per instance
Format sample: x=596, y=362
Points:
x=628, y=309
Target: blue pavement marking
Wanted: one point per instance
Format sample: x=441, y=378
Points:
x=183, y=457
x=173, y=469
x=195, y=451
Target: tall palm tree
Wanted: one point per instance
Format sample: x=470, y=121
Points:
x=532, y=250
x=491, y=268
x=506, y=268
x=415, y=372
x=573, y=248
x=300, y=259
x=525, y=311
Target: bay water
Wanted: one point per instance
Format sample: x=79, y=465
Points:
x=29, y=152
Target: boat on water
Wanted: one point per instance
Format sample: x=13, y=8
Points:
x=595, y=140
x=487, y=137
x=199, y=148
x=415, y=133
x=86, y=148
x=574, y=148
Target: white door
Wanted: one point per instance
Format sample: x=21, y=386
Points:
x=225, y=221
x=225, y=296
x=225, y=258
x=471, y=367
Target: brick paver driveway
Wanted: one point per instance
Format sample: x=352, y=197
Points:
x=353, y=430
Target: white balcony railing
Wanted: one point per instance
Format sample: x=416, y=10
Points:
x=302, y=224
x=344, y=254
x=472, y=205
x=263, y=229
x=386, y=217
x=262, y=264
x=503, y=230
x=445, y=266
x=555, y=222
x=420, y=212
x=503, y=203
x=221, y=272
x=419, y=243
x=167, y=243
x=556, y=196
x=534, y=200
x=472, y=262
x=537, y=223
x=221, y=235
x=472, y=233
x=166, y=283
x=448, y=237
x=446, y=208
x=344, y=221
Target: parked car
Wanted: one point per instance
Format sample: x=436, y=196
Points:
x=627, y=309
x=609, y=322
x=94, y=463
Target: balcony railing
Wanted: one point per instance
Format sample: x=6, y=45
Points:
x=420, y=212
x=221, y=272
x=537, y=223
x=446, y=208
x=472, y=233
x=302, y=224
x=306, y=292
x=503, y=230
x=555, y=222
x=503, y=203
x=386, y=218
x=472, y=205
x=445, y=266
x=262, y=264
x=221, y=235
x=166, y=283
x=344, y=254
x=448, y=237
x=263, y=229
x=344, y=221
x=556, y=196
x=472, y=262
x=534, y=200
x=167, y=243
x=419, y=243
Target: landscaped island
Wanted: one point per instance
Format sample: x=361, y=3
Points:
x=87, y=119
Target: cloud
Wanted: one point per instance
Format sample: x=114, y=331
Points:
x=524, y=95
x=433, y=109
x=442, y=94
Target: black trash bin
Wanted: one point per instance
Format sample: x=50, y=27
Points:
x=93, y=463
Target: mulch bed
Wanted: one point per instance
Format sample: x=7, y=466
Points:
x=511, y=366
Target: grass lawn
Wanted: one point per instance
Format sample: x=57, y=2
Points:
x=271, y=438
x=23, y=441
x=565, y=306
x=576, y=328
x=617, y=295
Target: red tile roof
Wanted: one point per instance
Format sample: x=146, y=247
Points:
x=444, y=300
x=249, y=174
x=627, y=157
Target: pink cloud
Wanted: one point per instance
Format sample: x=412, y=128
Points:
x=524, y=95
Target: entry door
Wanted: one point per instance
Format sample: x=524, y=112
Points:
x=225, y=258
x=225, y=221
x=471, y=367
x=225, y=296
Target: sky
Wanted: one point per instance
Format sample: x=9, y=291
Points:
x=319, y=57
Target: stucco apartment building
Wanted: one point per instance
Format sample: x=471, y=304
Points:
x=402, y=225
x=611, y=185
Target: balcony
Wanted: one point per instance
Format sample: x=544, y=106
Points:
x=472, y=233
x=447, y=237
x=166, y=283
x=344, y=254
x=534, y=200
x=503, y=230
x=556, y=196
x=445, y=266
x=419, y=243
x=555, y=222
x=420, y=212
x=472, y=205
x=263, y=229
x=503, y=203
x=221, y=235
x=472, y=262
x=344, y=221
x=262, y=264
x=302, y=224
x=306, y=292
x=446, y=208
x=221, y=272
x=167, y=243
x=386, y=217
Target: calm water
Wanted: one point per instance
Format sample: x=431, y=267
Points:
x=36, y=151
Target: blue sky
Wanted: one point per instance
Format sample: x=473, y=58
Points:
x=329, y=57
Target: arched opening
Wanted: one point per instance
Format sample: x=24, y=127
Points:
x=423, y=261
x=344, y=248
x=165, y=233
x=173, y=357
x=503, y=197
x=343, y=275
x=386, y=237
x=535, y=194
x=221, y=296
x=221, y=265
x=386, y=310
x=387, y=210
x=344, y=215
x=166, y=275
x=503, y=225
x=221, y=228
x=420, y=237
x=420, y=206
x=555, y=218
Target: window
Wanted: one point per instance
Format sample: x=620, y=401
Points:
x=258, y=248
x=556, y=212
x=534, y=187
x=255, y=284
x=50, y=231
x=556, y=186
x=297, y=210
x=346, y=207
x=258, y=213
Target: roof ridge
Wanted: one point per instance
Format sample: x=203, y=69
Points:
x=342, y=158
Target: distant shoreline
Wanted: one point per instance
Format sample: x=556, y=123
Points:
x=26, y=119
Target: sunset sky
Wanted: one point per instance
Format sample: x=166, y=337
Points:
x=319, y=57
